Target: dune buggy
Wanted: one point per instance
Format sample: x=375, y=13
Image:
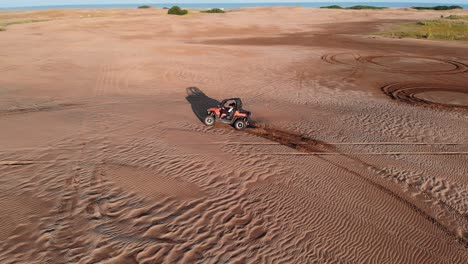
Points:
x=229, y=111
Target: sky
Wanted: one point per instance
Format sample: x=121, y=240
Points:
x=16, y=3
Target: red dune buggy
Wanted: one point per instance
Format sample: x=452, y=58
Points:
x=229, y=111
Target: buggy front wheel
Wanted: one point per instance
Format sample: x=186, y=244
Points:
x=239, y=124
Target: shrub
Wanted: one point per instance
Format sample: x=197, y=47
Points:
x=429, y=22
x=437, y=7
x=332, y=7
x=456, y=17
x=359, y=7
x=213, y=10
x=4, y=25
x=176, y=10
x=144, y=6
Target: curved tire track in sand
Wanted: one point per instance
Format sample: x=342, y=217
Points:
x=372, y=62
x=407, y=92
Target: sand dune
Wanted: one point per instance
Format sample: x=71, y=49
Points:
x=357, y=153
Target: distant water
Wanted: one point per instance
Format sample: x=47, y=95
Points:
x=237, y=5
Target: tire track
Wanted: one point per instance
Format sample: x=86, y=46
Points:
x=308, y=145
x=377, y=63
x=39, y=108
x=407, y=92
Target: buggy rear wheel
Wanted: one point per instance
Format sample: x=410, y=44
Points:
x=209, y=120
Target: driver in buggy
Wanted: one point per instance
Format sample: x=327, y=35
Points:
x=229, y=111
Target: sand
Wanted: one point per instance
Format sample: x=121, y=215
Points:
x=358, y=154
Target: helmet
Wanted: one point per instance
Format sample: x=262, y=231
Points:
x=232, y=104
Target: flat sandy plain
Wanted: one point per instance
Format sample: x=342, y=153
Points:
x=359, y=152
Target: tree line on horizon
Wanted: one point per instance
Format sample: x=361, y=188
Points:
x=358, y=7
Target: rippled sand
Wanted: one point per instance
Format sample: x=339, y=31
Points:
x=104, y=157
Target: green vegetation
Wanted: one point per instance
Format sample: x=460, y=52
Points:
x=457, y=17
x=449, y=28
x=144, y=6
x=332, y=7
x=176, y=10
x=359, y=7
x=444, y=7
x=6, y=24
x=356, y=7
x=213, y=10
